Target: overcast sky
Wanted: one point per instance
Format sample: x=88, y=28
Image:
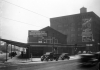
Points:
x=19, y=16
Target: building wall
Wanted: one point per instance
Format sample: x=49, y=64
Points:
x=64, y=26
x=39, y=50
x=72, y=27
x=53, y=34
x=48, y=43
x=96, y=32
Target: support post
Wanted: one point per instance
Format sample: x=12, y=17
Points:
x=11, y=52
x=6, y=51
x=53, y=43
x=14, y=48
x=29, y=51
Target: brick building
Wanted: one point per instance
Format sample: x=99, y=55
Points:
x=81, y=29
x=46, y=40
x=48, y=36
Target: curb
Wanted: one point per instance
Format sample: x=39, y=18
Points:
x=38, y=60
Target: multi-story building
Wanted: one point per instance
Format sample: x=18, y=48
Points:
x=81, y=29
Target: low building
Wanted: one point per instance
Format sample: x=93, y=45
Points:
x=46, y=40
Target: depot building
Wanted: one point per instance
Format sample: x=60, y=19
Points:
x=48, y=40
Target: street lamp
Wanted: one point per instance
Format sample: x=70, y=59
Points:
x=98, y=46
x=53, y=43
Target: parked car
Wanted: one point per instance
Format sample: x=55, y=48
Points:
x=50, y=56
x=47, y=56
x=88, y=59
x=97, y=55
x=64, y=56
x=1, y=52
x=12, y=54
x=56, y=56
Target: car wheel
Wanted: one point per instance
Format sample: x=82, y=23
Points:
x=62, y=58
x=51, y=59
x=56, y=59
x=41, y=59
x=68, y=58
x=47, y=59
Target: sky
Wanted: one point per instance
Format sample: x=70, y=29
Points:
x=19, y=16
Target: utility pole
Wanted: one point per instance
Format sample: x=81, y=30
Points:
x=11, y=51
x=53, y=43
x=6, y=51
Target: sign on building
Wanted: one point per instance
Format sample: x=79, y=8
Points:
x=35, y=36
x=37, y=33
x=87, y=34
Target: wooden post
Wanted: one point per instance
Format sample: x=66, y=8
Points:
x=6, y=51
x=14, y=48
x=29, y=51
x=31, y=56
x=11, y=51
x=53, y=43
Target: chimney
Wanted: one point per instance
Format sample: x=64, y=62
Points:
x=83, y=10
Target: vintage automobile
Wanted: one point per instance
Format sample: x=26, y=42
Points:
x=1, y=52
x=97, y=55
x=88, y=59
x=50, y=56
x=64, y=56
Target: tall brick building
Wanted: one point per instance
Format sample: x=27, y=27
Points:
x=81, y=29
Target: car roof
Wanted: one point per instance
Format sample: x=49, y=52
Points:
x=86, y=54
x=98, y=52
x=64, y=53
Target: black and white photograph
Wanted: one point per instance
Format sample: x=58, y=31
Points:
x=49, y=34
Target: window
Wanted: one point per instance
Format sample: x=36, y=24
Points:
x=56, y=41
x=79, y=23
x=72, y=35
x=86, y=39
x=64, y=32
x=72, y=29
x=51, y=41
x=72, y=24
x=71, y=40
x=45, y=41
x=79, y=29
x=79, y=34
x=48, y=41
x=59, y=26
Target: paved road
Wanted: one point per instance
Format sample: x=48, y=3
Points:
x=53, y=65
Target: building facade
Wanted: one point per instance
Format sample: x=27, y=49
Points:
x=81, y=29
x=46, y=40
x=46, y=35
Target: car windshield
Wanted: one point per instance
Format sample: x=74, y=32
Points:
x=64, y=53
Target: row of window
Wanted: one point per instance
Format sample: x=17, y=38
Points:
x=74, y=40
x=68, y=29
x=51, y=41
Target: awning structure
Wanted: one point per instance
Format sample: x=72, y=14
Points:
x=19, y=44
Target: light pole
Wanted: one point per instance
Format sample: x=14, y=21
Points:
x=6, y=50
x=53, y=43
x=98, y=46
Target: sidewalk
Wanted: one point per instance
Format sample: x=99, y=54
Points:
x=74, y=57
x=34, y=60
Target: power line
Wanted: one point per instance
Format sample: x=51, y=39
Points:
x=19, y=21
x=28, y=10
x=25, y=9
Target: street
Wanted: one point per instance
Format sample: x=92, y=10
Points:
x=51, y=65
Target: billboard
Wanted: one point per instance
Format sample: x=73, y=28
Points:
x=87, y=34
x=35, y=36
x=37, y=33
